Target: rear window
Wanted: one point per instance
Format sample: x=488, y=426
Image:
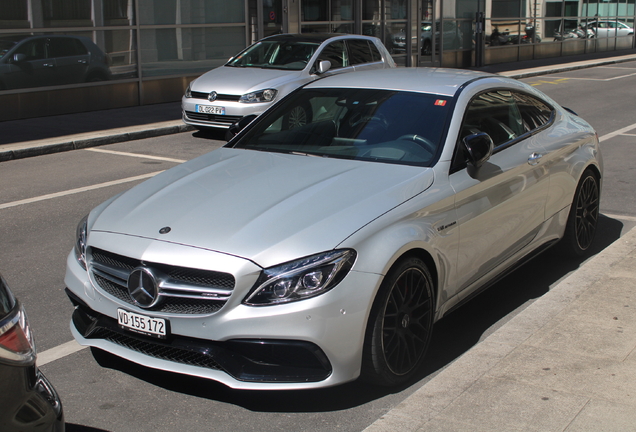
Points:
x=363, y=124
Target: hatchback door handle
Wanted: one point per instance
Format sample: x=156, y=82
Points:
x=534, y=158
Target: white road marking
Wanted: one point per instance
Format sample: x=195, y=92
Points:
x=620, y=217
x=137, y=155
x=78, y=190
x=58, y=352
x=617, y=132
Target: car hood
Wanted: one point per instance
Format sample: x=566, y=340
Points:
x=266, y=207
x=241, y=80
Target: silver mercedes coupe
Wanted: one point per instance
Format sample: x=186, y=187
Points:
x=306, y=256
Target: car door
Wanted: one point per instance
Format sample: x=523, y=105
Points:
x=71, y=59
x=32, y=69
x=500, y=205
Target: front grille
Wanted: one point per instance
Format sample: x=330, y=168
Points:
x=182, y=290
x=212, y=117
x=157, y=349
x=219, y=97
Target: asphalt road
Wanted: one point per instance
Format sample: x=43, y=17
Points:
x=43, y=198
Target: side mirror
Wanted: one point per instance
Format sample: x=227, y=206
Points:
x=235, y=128
x=478, y=147
x=323, y=66
x=19, y=58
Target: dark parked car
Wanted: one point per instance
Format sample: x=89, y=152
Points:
x=36, y=61
x=28, y=401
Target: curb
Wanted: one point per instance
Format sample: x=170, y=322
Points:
x=543, y=70
x=430, y=400
x=91, y=139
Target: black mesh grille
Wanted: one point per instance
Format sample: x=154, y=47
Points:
x=158, y=350
x=176, y=304
x=212, y=117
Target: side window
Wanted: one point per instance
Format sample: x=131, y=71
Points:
x=336, y=53
x=359, y=51
x=65, y=47
x=534, y=112
x=496, y=113
x=34, y=50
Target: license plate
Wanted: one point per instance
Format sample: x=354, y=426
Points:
x=207, y=109
x=156, y=327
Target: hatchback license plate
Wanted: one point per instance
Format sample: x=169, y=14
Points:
x=156, y=327
x=207, y=109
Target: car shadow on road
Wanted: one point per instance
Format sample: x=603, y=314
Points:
x=452, y=336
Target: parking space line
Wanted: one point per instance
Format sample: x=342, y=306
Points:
x=78, y=190
x=137, y=155
x=58, y=352
x=619, y=217
x=617, y=132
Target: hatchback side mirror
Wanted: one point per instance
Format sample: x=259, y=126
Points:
x=19, y=58
x=478, y=147
x=323, y=66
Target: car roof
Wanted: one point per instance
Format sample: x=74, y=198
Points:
x=424, y=80
x=313, y=37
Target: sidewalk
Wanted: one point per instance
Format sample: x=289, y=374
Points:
x=566, y=363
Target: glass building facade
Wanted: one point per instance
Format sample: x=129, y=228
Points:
x=60, y=56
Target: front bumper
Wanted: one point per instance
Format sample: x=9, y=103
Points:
x=307, y=344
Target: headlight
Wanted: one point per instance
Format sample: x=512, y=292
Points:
x=259, y=96
x=188, y=91
x=80, y=242
x=301, y=279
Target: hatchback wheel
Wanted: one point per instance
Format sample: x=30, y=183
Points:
x=583, y=218
x=400, y=324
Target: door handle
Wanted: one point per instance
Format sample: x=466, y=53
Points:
x=82, y=61
x=49, y=65
x=534, y=158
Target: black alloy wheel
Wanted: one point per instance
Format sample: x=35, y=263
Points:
x=400, y=324
x=583, y=219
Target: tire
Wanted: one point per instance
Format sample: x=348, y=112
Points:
x=400, y=325
x=297, y=116
x=583, y=218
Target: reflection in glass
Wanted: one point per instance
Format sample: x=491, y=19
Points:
x=50, y=60
x=200, y=50
x=158, y=12
x=66, y=13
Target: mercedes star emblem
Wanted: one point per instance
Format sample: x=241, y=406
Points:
x=143, y=288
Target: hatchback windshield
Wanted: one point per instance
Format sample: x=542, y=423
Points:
x=364, y=124
x=290, y=55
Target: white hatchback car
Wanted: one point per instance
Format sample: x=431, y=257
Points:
x=271, y=68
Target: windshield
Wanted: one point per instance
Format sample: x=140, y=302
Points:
x=364, y=124
x=289, y=55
